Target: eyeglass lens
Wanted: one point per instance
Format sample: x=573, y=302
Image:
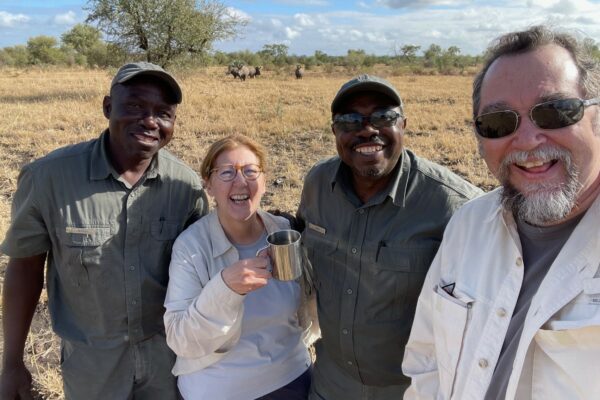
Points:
x=355, y=121
x=228, y=172
x=554, y=114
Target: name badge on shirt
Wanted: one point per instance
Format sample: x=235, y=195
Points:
x=317, y=228
x=591, y=287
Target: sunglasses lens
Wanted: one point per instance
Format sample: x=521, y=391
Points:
x=382, y=119
x=496, y=124
x=557, y=114
x=348, y=122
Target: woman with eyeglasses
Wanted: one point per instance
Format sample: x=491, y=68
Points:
x=238, y=333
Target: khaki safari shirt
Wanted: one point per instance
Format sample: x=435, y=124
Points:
x=370, y=261
x=109, y=245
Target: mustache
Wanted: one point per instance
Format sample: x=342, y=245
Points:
x=544, y=154
x=374, y=139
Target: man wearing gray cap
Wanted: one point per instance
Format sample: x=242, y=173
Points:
x=104, y=215
x=372, y=219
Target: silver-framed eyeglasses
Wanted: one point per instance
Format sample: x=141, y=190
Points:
x=228, y=172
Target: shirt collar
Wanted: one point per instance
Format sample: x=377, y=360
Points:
x=396, y=189
x=101, y=167
x=220, y=242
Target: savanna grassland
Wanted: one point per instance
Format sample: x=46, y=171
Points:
x=43, y=109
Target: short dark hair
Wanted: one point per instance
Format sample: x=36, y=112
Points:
x=534, y=38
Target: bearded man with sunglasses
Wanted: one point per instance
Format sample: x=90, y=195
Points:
x=510, y=308
x=373, y=219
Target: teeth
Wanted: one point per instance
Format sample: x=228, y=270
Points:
x=368, y=149
x=240, y=197
x=531, y=164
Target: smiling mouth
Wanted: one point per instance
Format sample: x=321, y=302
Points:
x=536, y=166
x=239, y=198
x=145, y=137
x=368, y=149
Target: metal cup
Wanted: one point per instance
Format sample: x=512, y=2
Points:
x=286, y=254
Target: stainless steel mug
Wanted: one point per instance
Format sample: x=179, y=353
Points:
x=285, y=252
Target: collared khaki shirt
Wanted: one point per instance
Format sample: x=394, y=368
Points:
x=370, y=262
x=109, y=245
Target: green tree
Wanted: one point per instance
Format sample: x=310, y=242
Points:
x=274, y=53
x=16, y=56
x=164, y=30
x=409, y=52
x=82, y=38
x=43, y=50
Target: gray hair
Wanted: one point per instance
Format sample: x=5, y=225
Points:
x=534, y=38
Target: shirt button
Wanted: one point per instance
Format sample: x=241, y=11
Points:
x=354, y=250
x=519, y=262
x=349, y=291
x=483, y=363
x=501, y=312
x=132, y=267
x=126, y=338
x=349, y=362
x=132, y=194
x=133, y=302
x=361, y=211
x=345, y=331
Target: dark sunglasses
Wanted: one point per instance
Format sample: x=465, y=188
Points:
x=553, y=114
x=354, y=121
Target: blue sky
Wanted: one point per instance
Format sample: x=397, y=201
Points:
x=377, y=26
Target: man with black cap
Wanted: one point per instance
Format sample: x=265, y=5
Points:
x=373, y=219
x=104, y=215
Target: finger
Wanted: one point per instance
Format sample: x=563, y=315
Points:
x=264, y=253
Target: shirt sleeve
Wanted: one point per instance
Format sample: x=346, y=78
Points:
x=420, y=363
x=203, y=315
x=27, y=234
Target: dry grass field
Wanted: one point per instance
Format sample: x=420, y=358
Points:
x=44, y=109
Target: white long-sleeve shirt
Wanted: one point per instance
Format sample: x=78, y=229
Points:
x=206, y=323
x=459, y=330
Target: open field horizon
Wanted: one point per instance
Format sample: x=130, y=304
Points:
x=44, y=109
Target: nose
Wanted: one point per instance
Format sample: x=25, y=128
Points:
x=367, y=129
x=528, y=136
x=149, y=120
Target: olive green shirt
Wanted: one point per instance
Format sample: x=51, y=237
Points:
x=370, y=261
x=108, y=245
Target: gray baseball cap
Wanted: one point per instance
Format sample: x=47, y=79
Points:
x=129, y=71
x=365, y=83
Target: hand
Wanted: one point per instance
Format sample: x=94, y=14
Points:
x=245, y=276
x=15, y=383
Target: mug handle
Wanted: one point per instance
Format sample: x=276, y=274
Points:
x=262, y=248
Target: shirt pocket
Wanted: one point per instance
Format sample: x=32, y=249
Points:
x=566, y=363
x=328, y=274
x=81, y=252
x=450, y=317
x=156, y=253
x=395, y=276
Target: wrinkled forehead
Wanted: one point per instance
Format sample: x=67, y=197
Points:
x=525, y=79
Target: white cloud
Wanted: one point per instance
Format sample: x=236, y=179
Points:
x=291, y=33
x=236, y=13
x=304, y=20
x=418, y=3
x=320, y=3
x=8, y=20
x=68, y=18
x=470, y=28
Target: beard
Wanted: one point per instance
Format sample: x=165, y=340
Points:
x=541, y=203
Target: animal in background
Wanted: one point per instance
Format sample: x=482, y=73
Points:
x=299, y=71
x=254, y=72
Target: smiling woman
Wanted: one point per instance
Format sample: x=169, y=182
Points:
x=237, y=332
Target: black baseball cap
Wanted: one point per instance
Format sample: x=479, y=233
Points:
x=129, y=71
x=365, y=83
